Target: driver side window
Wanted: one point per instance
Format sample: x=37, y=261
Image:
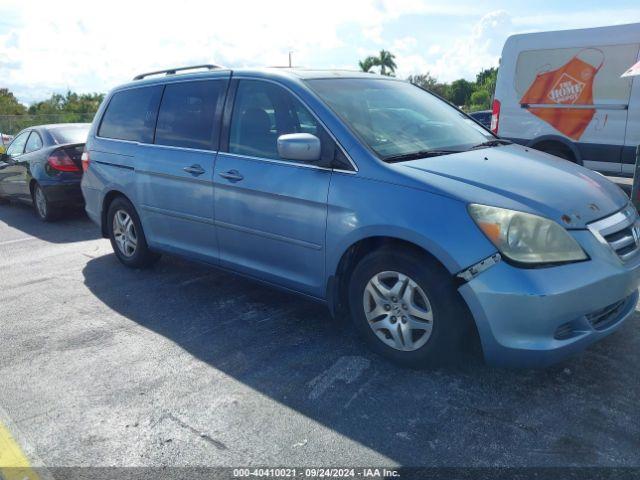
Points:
x=262, y=112
x=17, y=146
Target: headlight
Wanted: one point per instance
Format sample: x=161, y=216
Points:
x=526, y=238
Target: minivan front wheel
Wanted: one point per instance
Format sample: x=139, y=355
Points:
x=127, y=237
x=406, y=307
x=398, y=311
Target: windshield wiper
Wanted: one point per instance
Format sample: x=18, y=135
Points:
x=419, y=154
x=491, y=143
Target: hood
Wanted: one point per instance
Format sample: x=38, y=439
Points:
x=520, y=178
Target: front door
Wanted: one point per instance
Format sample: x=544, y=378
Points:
x=271, y=213
x=175, y=174
x=12, y=170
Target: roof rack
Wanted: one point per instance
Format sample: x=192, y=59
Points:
x=173, y=71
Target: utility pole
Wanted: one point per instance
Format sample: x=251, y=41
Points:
x=290, y=64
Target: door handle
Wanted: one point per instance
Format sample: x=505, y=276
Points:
x=194, y=170
x=232, y=175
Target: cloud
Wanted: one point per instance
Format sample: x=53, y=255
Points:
x=466, y=56
x=51, y=46
x=88, y=47
x=585, y=18
x=404, y=44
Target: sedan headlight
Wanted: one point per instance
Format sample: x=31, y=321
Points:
x=526, y=238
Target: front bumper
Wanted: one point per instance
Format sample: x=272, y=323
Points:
x=537, y=317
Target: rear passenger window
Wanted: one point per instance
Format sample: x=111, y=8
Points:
x=187, y=114
x=131, y=115
x=34, y=143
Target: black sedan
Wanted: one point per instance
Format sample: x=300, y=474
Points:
x=43, y=166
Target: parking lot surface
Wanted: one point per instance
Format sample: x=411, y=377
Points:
x=185, y=365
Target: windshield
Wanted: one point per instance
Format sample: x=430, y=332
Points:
x=397, y=119
x=70, y=134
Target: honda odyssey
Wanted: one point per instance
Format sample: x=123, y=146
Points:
x=370, y=195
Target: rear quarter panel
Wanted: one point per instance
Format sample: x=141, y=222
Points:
x=111, y=168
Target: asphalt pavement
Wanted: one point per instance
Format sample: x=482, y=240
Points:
x=184, y=365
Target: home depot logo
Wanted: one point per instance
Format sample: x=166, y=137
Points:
x=566, y=90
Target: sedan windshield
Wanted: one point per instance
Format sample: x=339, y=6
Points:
x=397, y=120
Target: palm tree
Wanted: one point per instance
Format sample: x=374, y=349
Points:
x=367, y=64
x=386, y=61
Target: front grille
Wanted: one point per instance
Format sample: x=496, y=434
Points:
x=620, y=232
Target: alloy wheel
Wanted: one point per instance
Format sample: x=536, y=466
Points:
x=398, y=311
x=124, y=233
x=41, y=202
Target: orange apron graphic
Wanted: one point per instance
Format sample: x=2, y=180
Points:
x=571, y=84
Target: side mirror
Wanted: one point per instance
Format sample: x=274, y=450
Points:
x=302, y=147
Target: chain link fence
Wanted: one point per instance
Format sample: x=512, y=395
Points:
x=12, y=124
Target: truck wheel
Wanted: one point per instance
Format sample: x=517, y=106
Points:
x=407, y=308
x=127, y=237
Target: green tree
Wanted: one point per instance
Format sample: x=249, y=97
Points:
x=367, y=64
x=385, y=60
x=486, y=80
x=424, y=80
x=71, y=107
x=460, y=92
x=9, y=104
x=69, y=103
x=480, y=100
x=442, y=89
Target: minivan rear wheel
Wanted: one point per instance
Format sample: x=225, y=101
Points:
x=406, y=308
x=127, y=237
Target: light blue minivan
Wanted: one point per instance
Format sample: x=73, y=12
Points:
x=373, y=196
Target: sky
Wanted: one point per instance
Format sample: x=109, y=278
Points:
x=50, y=46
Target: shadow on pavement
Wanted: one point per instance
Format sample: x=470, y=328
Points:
x=579, y=413
x=72, y=226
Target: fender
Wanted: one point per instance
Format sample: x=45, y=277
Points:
x=395, y=233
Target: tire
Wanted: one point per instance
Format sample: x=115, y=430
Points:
x=45, y=211
x=451, y=333
x=127, y=236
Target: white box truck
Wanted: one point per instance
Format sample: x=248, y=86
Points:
x=562, y=92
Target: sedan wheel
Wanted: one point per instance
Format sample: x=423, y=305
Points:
x=41, y=205
x=124, y=232
x=398, y=311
